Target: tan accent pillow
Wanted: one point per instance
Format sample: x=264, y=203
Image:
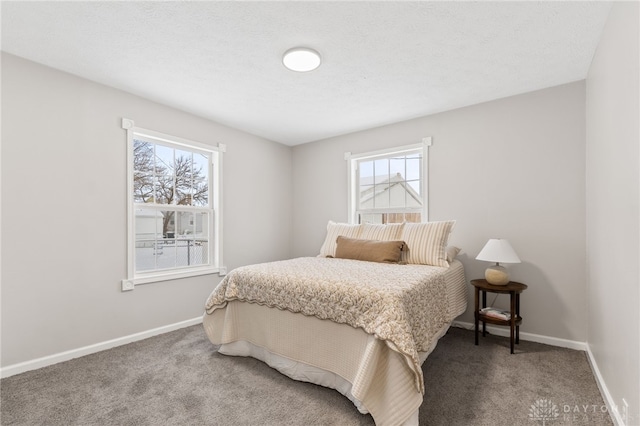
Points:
x=369, y=250
x=388, y=232
x=334, y=230
x=427, y=242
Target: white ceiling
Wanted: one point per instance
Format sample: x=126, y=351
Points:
x=383, y=62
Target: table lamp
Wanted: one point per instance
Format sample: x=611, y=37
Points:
x=499, y=251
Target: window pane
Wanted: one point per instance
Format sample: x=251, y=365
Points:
x=148, y=242
x=402, y=217
x=398, y=195
x=391, y=185
x=201, y=179
x=381, y=198
x=182, y=240
x=415, y=185
x=199, y=254
x=414, y=165
x=191, y=252
x=371, y=218
x=163, y=159
x=166, y=258
x=413, y=217
x=201, y=226
x=394, y=218
x=192, y=243
x=381, y=170
x=142, y=187
x=169, y=224
x=183, y=251
x=397, y=166
x=366, y=196
x=183, y=221
x=177, y=177
x=170, y=239
x=183, y=168
x=163, y=173
x=142, y=171
x=382, y=218
x=366, y=169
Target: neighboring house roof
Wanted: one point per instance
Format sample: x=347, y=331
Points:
x=384, y=183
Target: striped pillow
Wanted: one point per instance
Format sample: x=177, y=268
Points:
x=427, y=242
x=334, y=230
x=389, y=232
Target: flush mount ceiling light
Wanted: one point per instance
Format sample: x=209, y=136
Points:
x=301, y=59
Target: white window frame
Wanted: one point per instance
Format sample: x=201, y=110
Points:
x=352, y=172
x=214, y=210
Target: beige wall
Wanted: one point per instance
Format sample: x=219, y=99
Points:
x=613, y=232
x=64, y=212
x=512, y=168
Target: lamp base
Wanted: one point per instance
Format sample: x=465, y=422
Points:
x=496, y=275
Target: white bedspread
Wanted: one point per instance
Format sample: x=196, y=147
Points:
x=403, y=305
x=371, y=370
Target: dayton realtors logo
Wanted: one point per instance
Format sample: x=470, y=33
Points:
x=543, y=410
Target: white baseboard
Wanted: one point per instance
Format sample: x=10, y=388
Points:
x=22, y=367
x=564, y=343
x=34, y=364
x=616, y=417
x=530, y=337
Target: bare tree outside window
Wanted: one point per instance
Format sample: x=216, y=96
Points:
x=168, y=176
x=173, y=210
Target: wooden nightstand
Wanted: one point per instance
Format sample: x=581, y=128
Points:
x=513, y=289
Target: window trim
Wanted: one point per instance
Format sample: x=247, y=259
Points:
x=352, y=176
x=216, y=150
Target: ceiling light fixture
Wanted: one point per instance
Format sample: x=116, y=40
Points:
x=301, y=59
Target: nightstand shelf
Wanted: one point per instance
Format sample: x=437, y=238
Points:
x=513, y=289
x=497, y=321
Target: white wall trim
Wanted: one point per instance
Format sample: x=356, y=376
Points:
x=530, y=337
x=34, y=364
x=616, y=417
x=213, y=210
x=352, y=174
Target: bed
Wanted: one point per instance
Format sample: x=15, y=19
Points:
x=361, y=327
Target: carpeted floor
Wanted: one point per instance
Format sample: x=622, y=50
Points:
x=178, y=379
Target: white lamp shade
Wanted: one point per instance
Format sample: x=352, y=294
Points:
x=498, y=250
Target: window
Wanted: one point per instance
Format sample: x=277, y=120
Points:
x=389, y=186
x=174, y=214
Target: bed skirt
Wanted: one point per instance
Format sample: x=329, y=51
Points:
x=377, y=379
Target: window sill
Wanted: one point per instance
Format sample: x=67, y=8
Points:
x=128, y=284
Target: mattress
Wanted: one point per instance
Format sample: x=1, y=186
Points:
x=375, y=377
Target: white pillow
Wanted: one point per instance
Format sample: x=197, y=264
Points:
x=334, y=230
x=388, y=232
x=452, y=252
x=427, y=242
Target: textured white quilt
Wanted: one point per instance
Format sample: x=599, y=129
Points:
x=404, y=305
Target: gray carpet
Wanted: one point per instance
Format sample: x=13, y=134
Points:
x=178, y=379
